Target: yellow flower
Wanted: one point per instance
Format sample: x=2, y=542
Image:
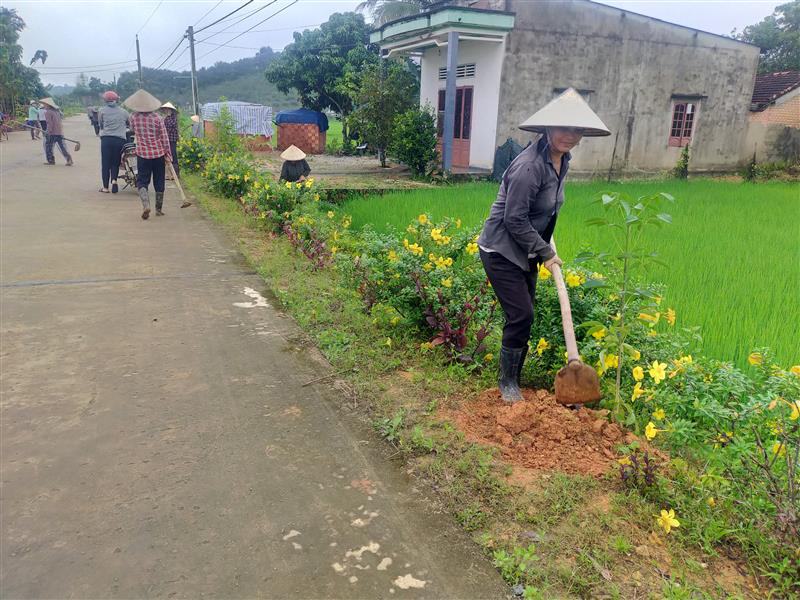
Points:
x=392, y=256
x=637, y=391
x=652, y=319
x=423, y=218
x=388, y=342
x=411, y=229
x=667, y=520
x=795, y=370
x=472, y=248
x=670, y=316
x=597, y=276
x=625, y=460
x=458, y=223
x=542, y=346
x=427, y=266
x=489, y=357
x=288, y=185
x=447, y=282
x=573, y=279
x=650, y=430
x=331, y=214
x=612, y=361
x=600, y=334
x=425, y=346
x=415, y=249
x=659, y=414
x=247, y=176
x=636, y=355
x=795, y=405
x=711, y=502
x=334, y=249
x=544, y=273
x=658, y=300
x=657, y=372
x=638, y=373
x=316, y=197
x=652, y=333
x=298, y=185
x=755, y=358
x=779, y=449
x=309, y=183
x=395, y=320
x=436, y=234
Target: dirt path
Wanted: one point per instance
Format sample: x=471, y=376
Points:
x=156, y=437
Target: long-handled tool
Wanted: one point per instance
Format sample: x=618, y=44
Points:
x=76, y=142
x=577, y=383
x=178, y=183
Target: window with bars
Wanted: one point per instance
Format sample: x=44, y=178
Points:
x=462, y=71
x=680, y=132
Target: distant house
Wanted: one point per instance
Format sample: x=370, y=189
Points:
x=776, y=99
x=658, y=86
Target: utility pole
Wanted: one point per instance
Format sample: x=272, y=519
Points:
x=195, y=99
x=139, y=62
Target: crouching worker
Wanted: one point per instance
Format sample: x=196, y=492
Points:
x=295, y=166
x=516, y=237
x=152, y=148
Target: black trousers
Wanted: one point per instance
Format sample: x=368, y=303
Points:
x=173, y=147
x=516, y=291
x=110, y=157
x=150, y=167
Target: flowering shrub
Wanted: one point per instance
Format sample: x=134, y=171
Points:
x=275, y=201
x=229, y=174
x=193, y=153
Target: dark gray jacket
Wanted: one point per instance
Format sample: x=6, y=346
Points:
x=524, y=214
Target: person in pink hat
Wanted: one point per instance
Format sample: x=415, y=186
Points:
x=113, y=122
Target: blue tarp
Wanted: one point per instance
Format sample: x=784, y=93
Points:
x=303, y=115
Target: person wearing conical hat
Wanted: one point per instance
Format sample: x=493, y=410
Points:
x=295, y=167
x=113, y=121
x=55, y=132
x=152, y=148
x=170, y=114
x=33, y=120
x=516, y=236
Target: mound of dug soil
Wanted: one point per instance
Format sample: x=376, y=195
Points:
x=540, y=434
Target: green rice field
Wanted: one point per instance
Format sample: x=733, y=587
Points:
x=733, y=250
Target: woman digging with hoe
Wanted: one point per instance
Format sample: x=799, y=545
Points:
x=516, y=239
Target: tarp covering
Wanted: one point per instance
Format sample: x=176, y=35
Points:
x=303, y=115
x=250, y=119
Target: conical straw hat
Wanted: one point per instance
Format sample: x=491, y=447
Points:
x=49, y=102
x=169, y=105
x=568, y=110
x=293, y=153
x=195, y=118
x=142, y=101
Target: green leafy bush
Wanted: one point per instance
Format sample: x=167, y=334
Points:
x=414, y=140
x=193, y=153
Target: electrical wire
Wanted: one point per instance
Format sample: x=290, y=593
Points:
x=247, y=16
x=229, y=46
x=178, y=45
x=207, y=13
x=150, y=17
x=124, y=62
x=174, y=60
x=277, y=12
x=225, y=17
x=295, y=28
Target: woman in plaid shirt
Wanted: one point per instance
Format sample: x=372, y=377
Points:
x=152, y=148
x=171, y=123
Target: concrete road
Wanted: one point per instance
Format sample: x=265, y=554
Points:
x=157, y=440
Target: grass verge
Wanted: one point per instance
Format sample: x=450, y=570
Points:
x=557, y=536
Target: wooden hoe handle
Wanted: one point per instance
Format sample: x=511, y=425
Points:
x=566, y=311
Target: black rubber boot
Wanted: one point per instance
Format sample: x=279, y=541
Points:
x=521, y=364
x=159, y=203
x=510, y=362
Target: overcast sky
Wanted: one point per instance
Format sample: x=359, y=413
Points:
x=89, y=36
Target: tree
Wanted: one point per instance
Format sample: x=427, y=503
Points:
x=315, y=63
x=17, y=81
x=383, y=11
x=778, y=36
x=414, y=139
x=384, y=91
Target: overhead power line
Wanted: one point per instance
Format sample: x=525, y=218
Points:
x=208, y=12
x=243, y=18
x=295, y=28
x=175, y=49
x=225, y=17
x=277, y=12
x=150, y=17
x=124, y=62
x=174, y=60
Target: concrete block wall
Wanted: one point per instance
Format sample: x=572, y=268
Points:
x=786, y=111
x=634, y=65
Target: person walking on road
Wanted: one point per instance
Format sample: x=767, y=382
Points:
x=516, y=237
x=55, y=132
x=152, y=148
x=33, y=120
x=171, y=124
x=113, y=123
x=92, y=113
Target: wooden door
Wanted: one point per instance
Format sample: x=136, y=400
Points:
x=463, y=125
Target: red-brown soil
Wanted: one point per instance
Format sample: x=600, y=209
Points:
x=540, y=434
